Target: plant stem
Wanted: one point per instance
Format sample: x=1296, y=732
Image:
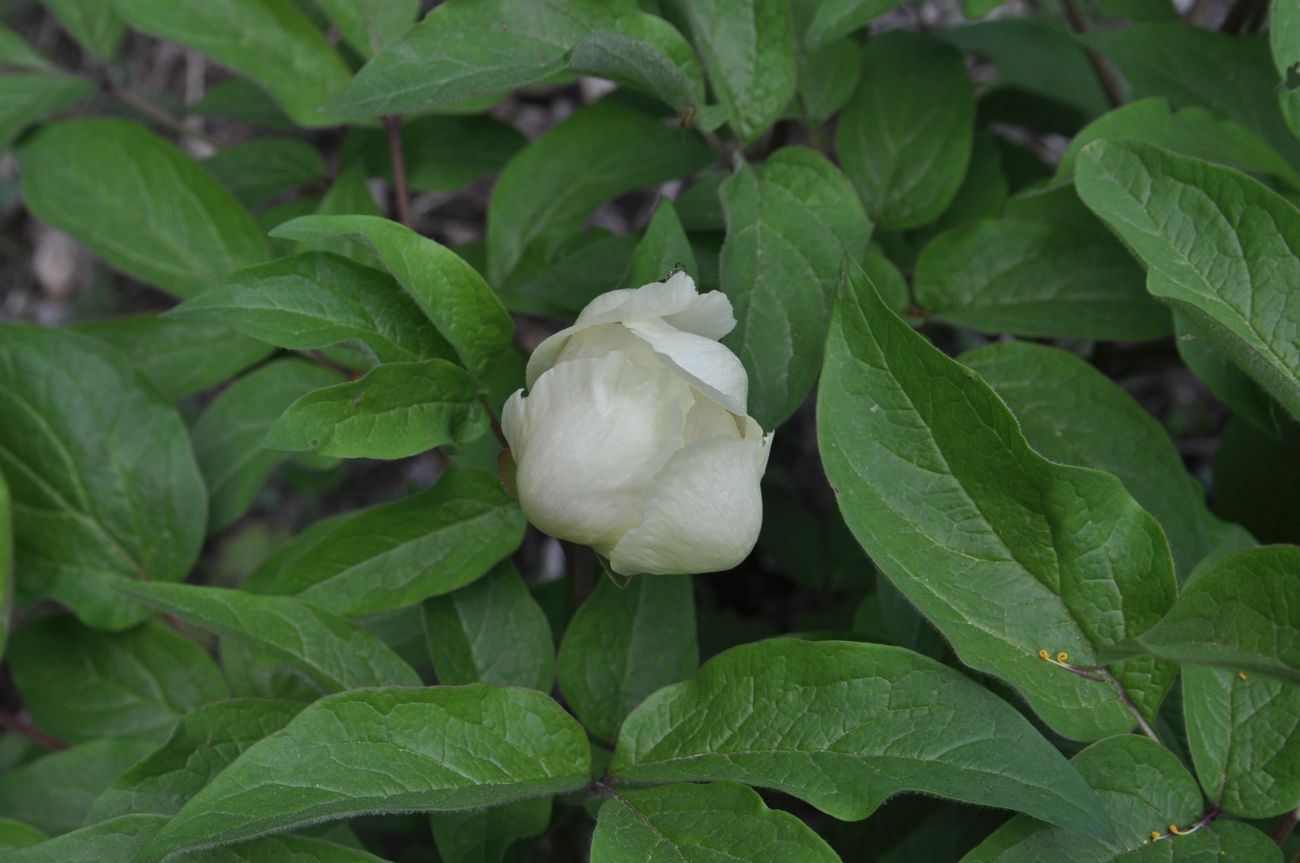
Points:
x=26, y=729
x=1132, y=708
x=1107, y=80
x=393, y=125
x=153, y=112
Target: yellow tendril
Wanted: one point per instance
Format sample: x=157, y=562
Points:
x=1241, y=675
x=1062, y=656
x=1044, y=655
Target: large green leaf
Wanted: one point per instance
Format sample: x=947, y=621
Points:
x=1007, y=553
x=1220, y=247
x=442, y=153
x=396, y=410
x=845, y=726
x=1143, y=789
x=28, y=97
x=449, y=291
x=120, y=839
x=318, y=299
x=1073, y=414
x=204, y=742
x=791, y=224
x=672, y=76
x=269, y=41
x=96, y=26
x=1191, y=131
x=1242, y=614
x=748, y=50
x=387, y=750
x=625, y=643
x=1230, y=75
x=1037, y=278
x=80, y=685
x=835, y=18
x=15, y=52
x=178, y=357
x=104, y=485
x=1257, y=480
x=261, y=168
x=369, y=25
x=702, y=824
x=663, y=248
x=491, y=631
x=461, y=50
x=54, y=792
x=332, y=652
x=16, y=834
x=485, y=836
x=6, y=562
x=399, y=553
x=228, y=434
x=905, y=136
x=137, y=202
x=601, y=151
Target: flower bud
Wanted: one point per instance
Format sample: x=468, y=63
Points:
x=634, y=437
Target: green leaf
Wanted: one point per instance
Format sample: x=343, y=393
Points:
x=1224, y=379
x=262, y=168
x=602, y=151
x=790, y=226
x=1242, y=614
x=54, y=792
x=332, y=652
x=1142, y=10
x=1218, y=246
x=387, y=750
x=442, y=153
x=905, y=137
x=253, y=675
x=1192, y=131
x=1037, y=278
x=318, y=299
x=120, y=839
x=178, y=357
x=228, y=435
x=486, y=836
x=80, y=685
x=15, y=52
x=491, y=631
x=369, y=25
x=828, y=77
x=625, y=643
x=268, y=41
x=1073, y=414
x=844, y=726
x=95, y=26
x=104, y=485
x=673, y=79
x=702, y=824
x=397, y=554
x=460, y=51
x=138, y=202
x=1143, y=789
x=1038, y=56
x=15, y=834
x=835, y=18
x=748, y=50
x=204, y=743
x=28, y=97
x=1257, y=480
x=1230, y=75
x=396, y=410
x=449, y=291
x=6, y=562
x=560, y=282
x=1005, y=552
x=663, y=248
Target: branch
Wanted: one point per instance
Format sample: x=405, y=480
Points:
x=158, y=115
x=26, y=729
x=1104, y=76
x=393, y=125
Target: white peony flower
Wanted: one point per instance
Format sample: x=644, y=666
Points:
x=634, y=437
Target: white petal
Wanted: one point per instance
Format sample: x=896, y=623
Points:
x=654, y=300
x=512, y=420
x=710, y=366
x=703, y=511
x=595, y=434
x=710, y=316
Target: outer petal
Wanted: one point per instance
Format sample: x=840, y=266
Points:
x=675, y=301
x=703, y=512
x=591, y=437
x=710, y=366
